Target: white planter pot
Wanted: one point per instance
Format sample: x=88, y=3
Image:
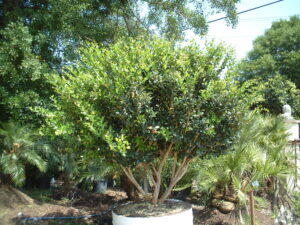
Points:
x=185, y=217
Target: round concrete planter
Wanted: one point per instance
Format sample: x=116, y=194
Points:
x=185, y=217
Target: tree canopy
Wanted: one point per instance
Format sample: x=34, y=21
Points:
x=139, y=102
x=22, y=75
x=59, y=25
x=274, y=94
x=39, y=36
x=274, y=65
x=275, y=52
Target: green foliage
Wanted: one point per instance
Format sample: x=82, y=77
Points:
x=22, y=80
x=93, y=168
x=257, y=155
x=132, y=98
x=36, y=36
x=58, y=26
x=133, y=101
x=274, y=62
x=274, y=94
x=16, y=151
x=277, y=51
x=296, y=204
x=67, y=157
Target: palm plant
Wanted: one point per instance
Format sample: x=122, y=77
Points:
x=257, y=156
x=93, y=169
x=16, y=151
x=69, y=150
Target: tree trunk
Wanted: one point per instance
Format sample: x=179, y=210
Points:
x=154, y=173
x=132, y=179
x=252, y=213
x=129, y=188
x=146, y=185
x=176, y=176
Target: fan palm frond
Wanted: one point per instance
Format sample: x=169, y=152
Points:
x=17, y=150
x=258, y=154
x=11, y=166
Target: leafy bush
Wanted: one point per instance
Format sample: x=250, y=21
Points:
x=141, y=102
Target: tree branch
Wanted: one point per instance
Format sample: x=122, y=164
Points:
x=163, y=157
x=149, y=172
x=130, y=175
x=178, y=175
x=174, y=165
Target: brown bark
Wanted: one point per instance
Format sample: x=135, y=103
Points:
x=174, y=164
x=149, y=173
x=158, y=172
x=252, y=213
x=132, y=179
x=182, y=169
x=129, y=188
x=154, y=174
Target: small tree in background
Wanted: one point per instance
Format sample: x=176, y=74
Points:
x=274, y=94
x=141, y=102
x=274, y=62
x=275, y=52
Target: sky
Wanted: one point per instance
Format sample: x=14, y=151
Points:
x=251, y=24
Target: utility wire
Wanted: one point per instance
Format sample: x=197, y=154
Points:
x=248, y=10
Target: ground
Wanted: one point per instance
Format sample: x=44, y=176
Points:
x=15, y=206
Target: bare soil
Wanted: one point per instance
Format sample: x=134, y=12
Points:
x=15, y=206
x=211, y=216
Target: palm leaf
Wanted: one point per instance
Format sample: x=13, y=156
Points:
x=258, y=154
x=33, y=158
x=11, y=166
x=17, y=150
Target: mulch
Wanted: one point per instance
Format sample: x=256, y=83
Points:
x=82, y=203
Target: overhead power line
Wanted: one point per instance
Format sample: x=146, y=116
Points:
x=248, y=10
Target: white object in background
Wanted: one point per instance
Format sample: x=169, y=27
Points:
x=287, y=111
x=52, y=181
x=294, y=124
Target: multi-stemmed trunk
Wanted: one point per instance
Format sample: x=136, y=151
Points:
x=154, y=174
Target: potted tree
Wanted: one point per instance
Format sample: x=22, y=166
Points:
x=142, y=102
